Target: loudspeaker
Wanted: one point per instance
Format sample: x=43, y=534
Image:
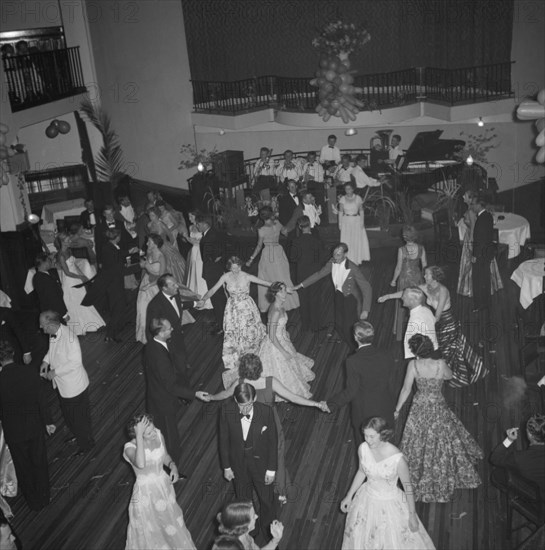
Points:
x=229, y=167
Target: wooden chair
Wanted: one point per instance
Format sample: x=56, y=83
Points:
x=520, y=495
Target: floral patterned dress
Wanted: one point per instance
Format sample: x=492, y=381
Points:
x=378, y=516
x=155, y=519
x=243, y=330
x=441, y=453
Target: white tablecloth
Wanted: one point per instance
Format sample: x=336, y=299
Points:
x=529, y=276
x=5, y=300
x=513, y=230
x=58, y=210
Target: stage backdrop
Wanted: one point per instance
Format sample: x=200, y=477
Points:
x=238, y=39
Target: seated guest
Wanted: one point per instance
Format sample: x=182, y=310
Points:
x=330, y=154
x=88, y=218
x=263, y=176
x=378, y=157
x=25, y=421
x=343, y=173
x=528, y=463
x=289, y=168
x=394, y=150
x=361, y=179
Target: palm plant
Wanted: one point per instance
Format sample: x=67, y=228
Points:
x=109, y=160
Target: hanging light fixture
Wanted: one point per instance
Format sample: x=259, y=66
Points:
x=33, y=219
x=200, y=167
x=350, y=132
x=221, y=132
x=480, y=123
x=469, y=160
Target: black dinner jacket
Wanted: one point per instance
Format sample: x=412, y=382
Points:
x=23, y=403
x=160, y=307
x=164, y=383
x=263, y=433
x=483, y=237
x=84, y=219
x=101, y=240
x=529, y=463
x=308, y=253
x=368, y=389
x=213, y=245
x=8, y=321
x=286, y=207
x=49, y=290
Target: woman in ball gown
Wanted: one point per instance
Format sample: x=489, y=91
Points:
x=352, y=226
x=250, y=371
x=441, y=453
x=194, y=279
x=379, y=514
x=280, y=359
x=243, y=330
x=153, y=266
x=170, y=247
x=155, y=519
x=465, y=282
x=173, y=220
x=73, y=272
x=238, y=519
x=411, y=262
x=273, y=264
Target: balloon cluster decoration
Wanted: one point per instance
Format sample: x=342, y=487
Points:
x=5, y=153
x=334, y=80
x=532, y=110
x=336, y=91
x=57, y=127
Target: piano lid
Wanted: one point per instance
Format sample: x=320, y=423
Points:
x=426, y=146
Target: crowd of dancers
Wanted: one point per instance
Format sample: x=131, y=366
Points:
x=436, y=454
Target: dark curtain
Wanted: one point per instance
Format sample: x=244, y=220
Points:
x=237, y=39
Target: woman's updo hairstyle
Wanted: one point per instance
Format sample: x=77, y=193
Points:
x=250, y=367
x=234, y=518
x=381, y=426
x=157, y=239
x=233, y=260
x=421, y=346
x=436, y=273
x=273, y=290
x=266, y=213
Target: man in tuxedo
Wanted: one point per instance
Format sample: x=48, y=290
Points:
x=106, y=223
x=25, y=420
x=288, y=202
x=88, y=218
x=248, y=445
x=107, y=291
x=528, y=463
x=48, y=286
x=166, y=384
x=353, y=293
x=169, y=304
x=482, y=255
x=213, y=252
x=307, y=207
x=368, y=386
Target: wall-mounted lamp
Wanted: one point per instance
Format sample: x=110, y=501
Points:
x=200, y=167
x=33, y=219
x=480, y=122
x=57, y=127
x=469, y=160
x=221, y=132
x=350, y=132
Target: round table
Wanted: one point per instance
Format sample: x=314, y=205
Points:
x=529, y=276
x=513, y=230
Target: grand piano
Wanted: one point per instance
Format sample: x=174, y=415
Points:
x=427, y=163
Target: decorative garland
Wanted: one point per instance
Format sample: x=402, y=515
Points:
x=341, y=38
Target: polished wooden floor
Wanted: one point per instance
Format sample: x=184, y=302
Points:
x=90, y=495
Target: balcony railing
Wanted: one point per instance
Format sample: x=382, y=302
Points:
x=38, y=78
x=382, y=90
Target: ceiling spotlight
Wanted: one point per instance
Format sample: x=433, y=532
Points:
x=469, y=160
x=350, y=132
x=481, y=122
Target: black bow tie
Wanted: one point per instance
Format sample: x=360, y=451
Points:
x=331, y=147
x=245, y=416
x=173, y=297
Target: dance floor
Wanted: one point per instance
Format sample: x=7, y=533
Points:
x=90, y=494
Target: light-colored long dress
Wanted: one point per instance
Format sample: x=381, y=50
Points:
x=155, y=519
x=273, y=266
x=194, y=279
x=378, y=516
x=352, y=232
x=83, y=319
